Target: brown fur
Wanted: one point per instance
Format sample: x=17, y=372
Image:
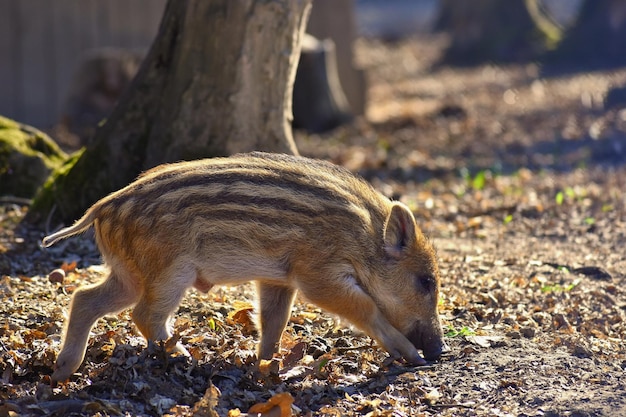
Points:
x=289, y=223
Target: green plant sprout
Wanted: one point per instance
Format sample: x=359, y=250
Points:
x=559, y=198
x=464, y=331
x=560, y=288
x=478, y=183
x=212, y=324
x=568, y=192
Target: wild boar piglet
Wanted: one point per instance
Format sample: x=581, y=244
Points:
x=289, y=223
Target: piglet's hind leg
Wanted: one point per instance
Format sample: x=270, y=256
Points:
x=88, y=305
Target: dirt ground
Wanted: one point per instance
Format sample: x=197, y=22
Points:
x=516, y=173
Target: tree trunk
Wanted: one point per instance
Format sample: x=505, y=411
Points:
x=489, y=30
x=598, y=39
x=217, y=80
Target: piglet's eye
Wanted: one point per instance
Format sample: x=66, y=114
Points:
x=425, y=282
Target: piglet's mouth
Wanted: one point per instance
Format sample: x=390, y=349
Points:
x=429, y=341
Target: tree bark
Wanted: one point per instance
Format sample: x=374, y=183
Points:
x=217, y=80
x=489, y=30
x=598, y=39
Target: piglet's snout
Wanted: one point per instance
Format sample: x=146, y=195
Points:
x=430, y=340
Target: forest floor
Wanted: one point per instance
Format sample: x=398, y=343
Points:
x=518, y=177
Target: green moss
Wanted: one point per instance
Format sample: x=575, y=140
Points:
x=59, y=174
x=74, y=186
x=104, y=166
x=6, y=123
x=46, y=196
x=29, y=141
x=27, y=156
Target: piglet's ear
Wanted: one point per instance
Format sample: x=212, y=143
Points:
x=399, y=230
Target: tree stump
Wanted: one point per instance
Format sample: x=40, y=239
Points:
x=335, y=20
x=319, y=103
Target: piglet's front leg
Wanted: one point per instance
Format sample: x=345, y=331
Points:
x=342, y=296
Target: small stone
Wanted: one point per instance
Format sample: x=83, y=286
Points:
x=57, y=276
x=514, y=335
x=528, y=332
x=582, y=351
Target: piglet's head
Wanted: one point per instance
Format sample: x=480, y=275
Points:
x=411, y=282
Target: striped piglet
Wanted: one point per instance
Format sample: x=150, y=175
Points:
x=289, y=223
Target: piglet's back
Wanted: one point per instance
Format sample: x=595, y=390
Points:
x=274, y=206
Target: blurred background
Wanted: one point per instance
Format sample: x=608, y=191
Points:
x=495, y=84
x=53, y=51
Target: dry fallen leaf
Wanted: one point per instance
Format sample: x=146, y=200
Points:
x=267, y=367
x=484, y=341
x=243, y=317
x=69, y=267
x=282, y=400
x=295, y=354
x=170, y=344
x=206, y=406
x=475, y=222
x=432, y=396
x=304, y=316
